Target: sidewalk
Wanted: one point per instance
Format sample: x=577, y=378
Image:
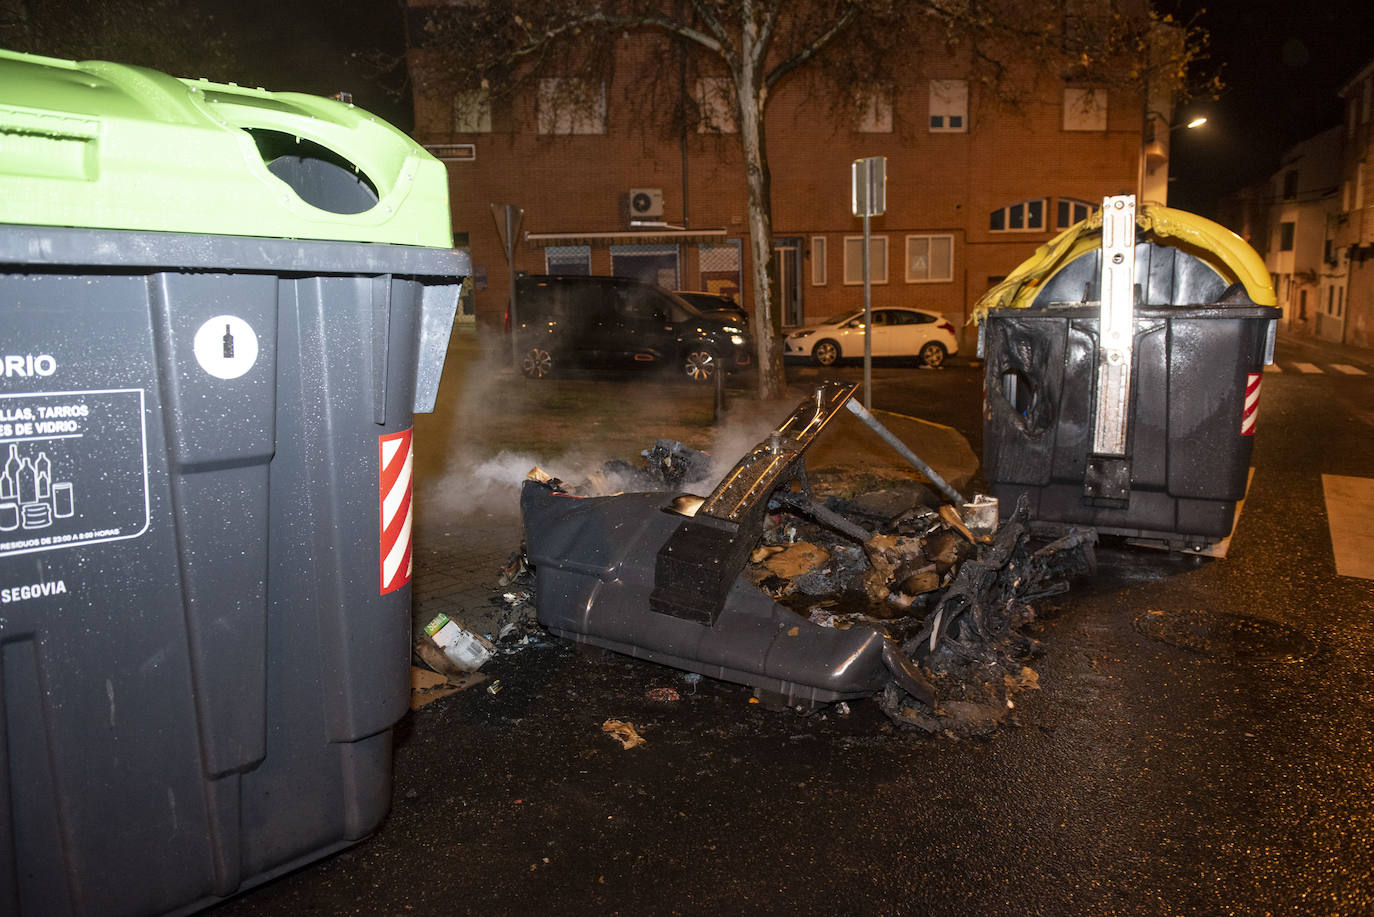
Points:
x=491, y=426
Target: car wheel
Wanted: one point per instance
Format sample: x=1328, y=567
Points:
x=700, y=365
x=826, y=353
x=537, y=363
x=933, y=354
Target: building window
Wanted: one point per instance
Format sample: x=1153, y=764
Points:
x=929, y=259
x=854, y=259
x=472, y=112
x=1025, y=216
x=873, y=109
x=1290, y=185
x=1073, y=211
x=1359, y=186
x=719, y=263
x=571, y=106
x=716, y=106
x=568, y=259
x=1286, y=236
x=949, y=106
x=1085, y=109
x=818, y=261
x=653, y=263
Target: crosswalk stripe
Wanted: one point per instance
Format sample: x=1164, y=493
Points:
x=1307, y=367
x=1349, y=370
x=1349, y=502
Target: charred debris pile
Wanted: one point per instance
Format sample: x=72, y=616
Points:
x=895, y=594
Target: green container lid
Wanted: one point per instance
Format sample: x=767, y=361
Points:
x=108, y=146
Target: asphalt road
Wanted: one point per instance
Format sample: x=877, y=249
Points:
x=1232, y=777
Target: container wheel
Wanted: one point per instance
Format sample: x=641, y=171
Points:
x=825, y=353
x=537, y=363
x=700, y=364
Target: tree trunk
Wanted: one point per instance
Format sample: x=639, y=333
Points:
x=767, y=339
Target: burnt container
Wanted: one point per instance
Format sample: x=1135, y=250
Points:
x=1200, y=347
x=205, y=441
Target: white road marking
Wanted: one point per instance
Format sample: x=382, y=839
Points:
x=1307, y=367
x=1348, y=369
x=1349, y=508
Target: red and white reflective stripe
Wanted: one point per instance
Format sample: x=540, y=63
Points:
x=1251, y=412
x=394, y=451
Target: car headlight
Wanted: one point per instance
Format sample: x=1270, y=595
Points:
x=798, y=335
x=737, y=340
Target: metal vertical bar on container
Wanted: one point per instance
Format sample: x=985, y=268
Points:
x=1116, y=327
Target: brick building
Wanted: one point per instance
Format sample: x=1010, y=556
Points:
x=974, y=184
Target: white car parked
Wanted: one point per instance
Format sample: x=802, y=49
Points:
x=897, y=332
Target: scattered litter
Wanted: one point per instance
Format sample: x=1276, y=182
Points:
x=427, y=686
x=494, y=687
x=842, y=708
x=623, y=732
x=1025, y=680
x=467, y=651
x=821, y=617
x=981, y=515
x=693, y=679
x=664, y=695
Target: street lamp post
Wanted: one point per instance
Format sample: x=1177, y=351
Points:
x=1154, y=152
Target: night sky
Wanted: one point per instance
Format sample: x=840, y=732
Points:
x=1282, y=61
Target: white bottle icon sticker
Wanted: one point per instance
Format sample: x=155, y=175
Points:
x=225, y=347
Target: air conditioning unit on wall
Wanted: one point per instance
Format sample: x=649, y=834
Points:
x=646, y=203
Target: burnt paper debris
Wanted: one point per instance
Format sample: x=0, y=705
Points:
x=813, y=601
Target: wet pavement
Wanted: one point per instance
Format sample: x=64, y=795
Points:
x=1200, y=743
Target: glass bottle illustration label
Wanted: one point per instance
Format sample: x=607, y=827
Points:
x=73, y=469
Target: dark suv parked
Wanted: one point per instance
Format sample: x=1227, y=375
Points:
x=566, y=320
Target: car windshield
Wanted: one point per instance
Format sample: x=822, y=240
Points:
x=841, y=317
x=678, y=301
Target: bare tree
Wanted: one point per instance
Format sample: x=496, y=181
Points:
x=499, y=45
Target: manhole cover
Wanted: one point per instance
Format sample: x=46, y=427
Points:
x=1226, y=636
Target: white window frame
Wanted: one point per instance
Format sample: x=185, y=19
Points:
x=1073, y=203
x=819, y=265
x=472, y=112
x=873, y=109
x=1006, y=216
x=715, y=103
x=567, y=105
x=1085, y=109
x=929, y=239
x=877, y=261
x=948, y=100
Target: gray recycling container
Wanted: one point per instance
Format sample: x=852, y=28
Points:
x=205, y=443
x=1200, y=346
